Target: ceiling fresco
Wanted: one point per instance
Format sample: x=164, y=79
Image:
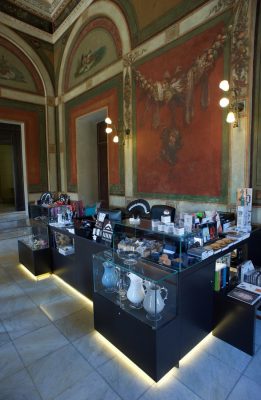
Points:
x=46, y=15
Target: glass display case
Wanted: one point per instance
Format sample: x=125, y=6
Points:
x=50, y=213
x=154, y=242
x=38, y=238
x=33, y=249
x=141, y=288
x=64, y=242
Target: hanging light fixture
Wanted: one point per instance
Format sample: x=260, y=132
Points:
x=119, y=133
x=231, y=101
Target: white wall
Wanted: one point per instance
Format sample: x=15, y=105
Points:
x=86, y=148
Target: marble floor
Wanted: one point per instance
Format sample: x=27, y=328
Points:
x=50, y=351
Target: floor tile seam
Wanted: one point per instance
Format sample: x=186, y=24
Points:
x=11, y=373
x=20, y=368
x=145, y=391
x=230, y=391
x=15, y=313
x=96, y=369
x=49, y=323
x=24, y=366
x=100, y=365
x=77, y=380
x=252, y=379
x=33, y=330
x=34, y=384
x=225, y=363
x=27, y=367
x=40, y=358
x=6, y=331
x=186, y=386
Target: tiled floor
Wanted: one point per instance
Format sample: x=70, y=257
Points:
x=49, y=351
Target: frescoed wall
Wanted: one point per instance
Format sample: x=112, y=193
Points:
x=177, y=112
x=156, y=70
x=16, y=71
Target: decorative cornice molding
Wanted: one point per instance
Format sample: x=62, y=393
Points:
x=21, y=26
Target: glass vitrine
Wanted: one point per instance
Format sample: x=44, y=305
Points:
x=145, y=290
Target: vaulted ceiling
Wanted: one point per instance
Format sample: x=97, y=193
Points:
x=46, y=15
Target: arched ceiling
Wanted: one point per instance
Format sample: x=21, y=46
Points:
x=46, y=15
x=51, y=18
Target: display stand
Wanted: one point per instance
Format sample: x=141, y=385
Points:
x=38, y=262
x=235, y=322
x=33, y=250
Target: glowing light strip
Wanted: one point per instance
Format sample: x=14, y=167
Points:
x=128, y=363
x=73, y=291
x=165, y=380
x=31, y=275
x=43, y=276
x=27, y=272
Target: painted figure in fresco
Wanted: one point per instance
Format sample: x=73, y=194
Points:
x=177, y=90
x=171, y=143
x=89, y=60
x=10, y=72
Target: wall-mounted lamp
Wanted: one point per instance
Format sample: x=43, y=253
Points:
x=230, y=100
x=118, y=133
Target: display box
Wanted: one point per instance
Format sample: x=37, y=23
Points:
x=141, y=288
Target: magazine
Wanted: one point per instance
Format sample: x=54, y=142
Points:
x=244, y=295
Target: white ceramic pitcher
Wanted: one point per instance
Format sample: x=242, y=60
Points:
x=154, y=301
x=135, y=293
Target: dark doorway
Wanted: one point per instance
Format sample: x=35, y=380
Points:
x=103, y=192
x=10, y=138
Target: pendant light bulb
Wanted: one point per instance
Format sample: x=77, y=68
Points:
x=116, y=139
x=224, y=102
x=108, y=130
x=231, y=117
x=224, y=85
x=108, y=121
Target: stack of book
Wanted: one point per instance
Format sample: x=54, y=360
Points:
x=221, y=276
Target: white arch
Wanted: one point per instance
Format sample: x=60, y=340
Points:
x=11, y=36
x=104, y=8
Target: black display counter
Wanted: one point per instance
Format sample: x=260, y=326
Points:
x=200, y=309
x=75, y=268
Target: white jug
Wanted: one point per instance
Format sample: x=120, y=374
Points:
x=135, y=293
x=153, y=302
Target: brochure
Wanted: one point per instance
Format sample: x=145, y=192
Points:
x=244, y=295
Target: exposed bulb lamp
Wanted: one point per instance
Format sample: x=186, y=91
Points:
x=108, y=121
x=231, y=118
x=224, y=85
x=120, y=134
x=231, y=101
x=108, y=130
x=224, y=102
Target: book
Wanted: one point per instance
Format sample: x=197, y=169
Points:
x=244, y=295
x=250, y=287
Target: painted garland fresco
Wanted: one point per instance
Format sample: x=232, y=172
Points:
x=180, y=147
